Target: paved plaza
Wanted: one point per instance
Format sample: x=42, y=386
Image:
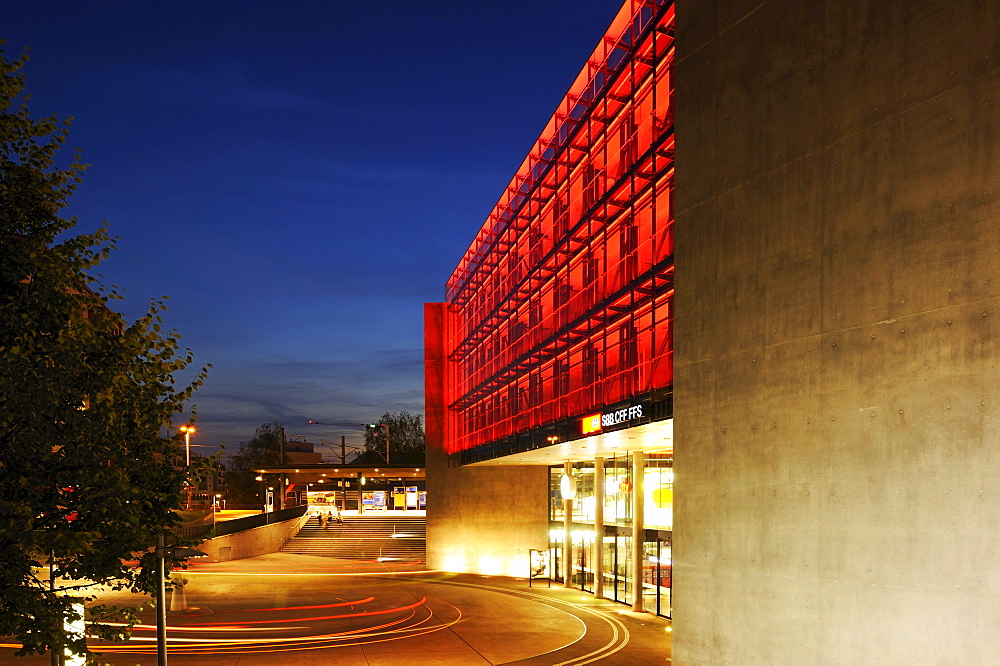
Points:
x=301, y=609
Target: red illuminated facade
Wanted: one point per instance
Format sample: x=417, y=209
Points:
x=562, y=306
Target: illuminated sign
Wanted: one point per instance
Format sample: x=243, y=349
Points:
x=591, y=424
x=621, y=415
x=597, y=422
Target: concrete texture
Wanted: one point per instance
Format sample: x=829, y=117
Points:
x=276, y=609
x=837, y=338
x=480, y=520
x=252, y=542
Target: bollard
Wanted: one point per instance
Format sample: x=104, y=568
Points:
x=178, y=600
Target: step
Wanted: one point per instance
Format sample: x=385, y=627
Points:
x=370, y=537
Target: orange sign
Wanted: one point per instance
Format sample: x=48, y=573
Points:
x=591, y=424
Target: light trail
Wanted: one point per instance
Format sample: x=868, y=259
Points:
x=323, y=617
x=313, y=574
x=412, y=620
x=619, y=632
x=264, y=610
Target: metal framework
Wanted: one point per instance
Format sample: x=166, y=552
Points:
x=563, y=303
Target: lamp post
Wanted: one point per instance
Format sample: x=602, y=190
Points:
x=215, y=509
x=187, y=430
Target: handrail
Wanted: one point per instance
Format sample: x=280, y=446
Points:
x=249, y=522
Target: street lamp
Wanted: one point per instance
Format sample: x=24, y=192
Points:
x=262, y=494
x=187, y=430
x=215, y=508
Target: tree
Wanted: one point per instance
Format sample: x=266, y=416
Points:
x=263, y=449
x=86, y=482
x=406, y=440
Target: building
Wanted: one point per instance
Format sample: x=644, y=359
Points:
x=835, y=354
x=836, y=347
x=208, y=489
x=834, y=384
x=300, y=452
x=550, y=362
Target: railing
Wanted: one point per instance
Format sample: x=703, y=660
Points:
x=249, y=522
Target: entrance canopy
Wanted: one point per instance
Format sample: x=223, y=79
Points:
x=650, y=437
x=322, y=472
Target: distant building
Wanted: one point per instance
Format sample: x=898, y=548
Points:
x=301, y=453
x=206, y=488
x=549, y=366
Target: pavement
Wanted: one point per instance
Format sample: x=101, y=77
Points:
x=300, y=609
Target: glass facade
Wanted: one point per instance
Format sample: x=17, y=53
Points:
x=618, y=575
x=563, y=302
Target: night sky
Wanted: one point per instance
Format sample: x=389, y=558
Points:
x=298, y=177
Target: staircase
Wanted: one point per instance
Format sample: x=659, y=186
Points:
x=363, y=538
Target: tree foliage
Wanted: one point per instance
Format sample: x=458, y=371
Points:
x=406, y=440
x=263, y=449
x=86, y=482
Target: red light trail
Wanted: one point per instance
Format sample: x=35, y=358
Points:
x=306, y=633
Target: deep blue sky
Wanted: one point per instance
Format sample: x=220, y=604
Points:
x=298, y=177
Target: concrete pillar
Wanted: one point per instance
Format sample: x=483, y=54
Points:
x=638, y=526
x=597, y=558
x=567, y=528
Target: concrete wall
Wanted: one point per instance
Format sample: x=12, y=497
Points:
x=837, y=336
x=479, y=519
x=252, y=542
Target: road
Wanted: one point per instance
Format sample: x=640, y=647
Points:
x=300, y=609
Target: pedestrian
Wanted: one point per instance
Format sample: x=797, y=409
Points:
x=322, y=520
x=340, y=518
x=329, y=517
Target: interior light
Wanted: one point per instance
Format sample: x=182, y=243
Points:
x=567, y=487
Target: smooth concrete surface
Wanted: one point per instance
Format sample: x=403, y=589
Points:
x=252, y=542
x=296, y=609
x=837, y=332
x=479, y=519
